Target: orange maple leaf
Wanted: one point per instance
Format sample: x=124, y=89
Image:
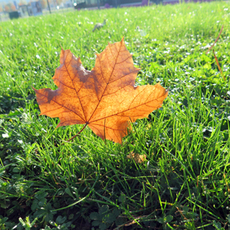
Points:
x=104, y=98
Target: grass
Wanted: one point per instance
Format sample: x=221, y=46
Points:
x=91, y=184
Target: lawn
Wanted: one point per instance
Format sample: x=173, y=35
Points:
x=48, y=183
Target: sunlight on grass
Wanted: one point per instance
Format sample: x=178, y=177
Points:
x=184, y=182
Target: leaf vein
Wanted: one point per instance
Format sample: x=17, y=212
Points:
x=74, y=87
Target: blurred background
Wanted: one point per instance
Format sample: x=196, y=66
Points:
x=11, y=9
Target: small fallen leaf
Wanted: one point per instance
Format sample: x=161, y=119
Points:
x=138, y=158
x=105, y=98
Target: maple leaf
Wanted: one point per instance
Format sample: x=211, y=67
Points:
x=104, y=98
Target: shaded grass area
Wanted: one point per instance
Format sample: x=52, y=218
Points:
x=183, y=184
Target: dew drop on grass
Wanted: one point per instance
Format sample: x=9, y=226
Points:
x=5, y=135
x=20, y=141
x=143, y=33
x=43, y=130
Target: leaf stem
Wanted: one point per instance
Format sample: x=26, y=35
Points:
x=78, y=132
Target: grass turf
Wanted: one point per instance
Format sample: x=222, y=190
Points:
x=183, y=184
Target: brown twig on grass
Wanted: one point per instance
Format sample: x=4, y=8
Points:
x=215, y=40
x=215, y=54
x=218, y=65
